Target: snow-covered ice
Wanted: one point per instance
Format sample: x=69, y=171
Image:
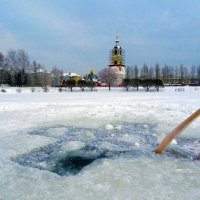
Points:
x=32, y=123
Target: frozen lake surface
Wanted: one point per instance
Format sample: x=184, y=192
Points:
x=98, y=145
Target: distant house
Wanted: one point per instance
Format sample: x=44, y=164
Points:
x=70, y=75
x=41, y=78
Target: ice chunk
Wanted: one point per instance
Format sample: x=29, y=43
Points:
x=174, y=142
x=146, y=126
x=89, y=134
x=118, y=128
x=109, y=127
x=137, y=144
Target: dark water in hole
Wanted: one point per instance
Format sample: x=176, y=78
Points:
x=101, y=145
x=72, y=164
x=75, y=161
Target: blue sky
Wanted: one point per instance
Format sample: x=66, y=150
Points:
x=77, y=35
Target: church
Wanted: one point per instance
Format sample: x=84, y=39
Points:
x=117, y=65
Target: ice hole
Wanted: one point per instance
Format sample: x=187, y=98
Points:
x=74, y=150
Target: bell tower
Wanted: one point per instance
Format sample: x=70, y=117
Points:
x=117, y=55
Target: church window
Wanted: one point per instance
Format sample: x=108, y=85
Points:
x=115, y=52
x=115, y=62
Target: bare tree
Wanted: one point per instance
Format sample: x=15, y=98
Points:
x=157, y=70
x=186, y=72
x=57, y=74
x=108, y=76
x=132, y=72
x=176, y=72
x=166, y=73
x=23, y=65
x=128, y=72
x=1, y=68
x=17, y=62
x=1, y=60
x=11, y=59
x=151, y=72
x=145, y=71
x=198, y=71
x=5, y=74
x=23, y=61
x=193, y=71
x=171, y=72
x=136, y=71
x=181, y=70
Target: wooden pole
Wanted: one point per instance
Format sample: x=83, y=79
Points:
x=178, y=130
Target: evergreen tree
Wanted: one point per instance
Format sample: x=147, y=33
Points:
x=126, y=83
x=147, y=83
x=91, y=84
x=70, y=84
x=82, y=84
x=157, y=83
x=136, y=82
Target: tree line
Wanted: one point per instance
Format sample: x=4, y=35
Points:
x=16, y=69
x=80, y=83
x=146, y=83
x=135, y=82
x=166, y=72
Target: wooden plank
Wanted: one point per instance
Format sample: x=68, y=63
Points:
x=178, y=130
